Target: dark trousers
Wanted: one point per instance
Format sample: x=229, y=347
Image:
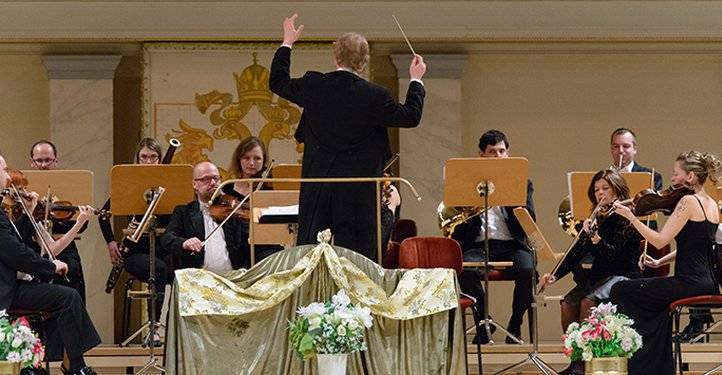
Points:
x=522, y=271
x=138, y=265
x=69, y=327
x=349, y=210
x=75, y=278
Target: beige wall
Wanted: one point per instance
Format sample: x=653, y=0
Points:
x=24, y=106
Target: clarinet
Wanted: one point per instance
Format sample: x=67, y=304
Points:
x=117, y=268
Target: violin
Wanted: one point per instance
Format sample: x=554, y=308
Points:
x=649, y=201
x=63, y=210
x=224, y=204
x=58, y=210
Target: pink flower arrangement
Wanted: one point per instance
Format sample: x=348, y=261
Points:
x=605, y=333
x=18, y=342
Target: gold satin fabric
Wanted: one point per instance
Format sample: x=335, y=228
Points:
x=238, y=324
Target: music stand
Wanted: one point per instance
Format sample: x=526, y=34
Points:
x=578, y=183
x=129, y=195
x=486, y=182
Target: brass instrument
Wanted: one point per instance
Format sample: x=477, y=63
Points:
x=450, y=217
x=566, y=218
x=133, y=225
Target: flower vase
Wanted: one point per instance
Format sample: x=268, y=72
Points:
x=606, y=366
x=332, y=364
x=9, y=368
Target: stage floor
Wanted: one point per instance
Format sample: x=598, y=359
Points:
x=112, y=360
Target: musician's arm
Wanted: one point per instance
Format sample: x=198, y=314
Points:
x=18, y=256
x=672, y=227
x=173, y=238
x=106, y=224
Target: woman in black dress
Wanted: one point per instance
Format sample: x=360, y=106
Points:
x=615, y=245
x=249, y=160
x=692, y=224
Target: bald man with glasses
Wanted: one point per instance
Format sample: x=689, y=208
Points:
x=189, y=225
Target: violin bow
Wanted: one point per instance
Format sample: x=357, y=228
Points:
x=649, y=219
x=264, y=176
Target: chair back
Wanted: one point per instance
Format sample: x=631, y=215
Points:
x=430, y=252
x=403, y=229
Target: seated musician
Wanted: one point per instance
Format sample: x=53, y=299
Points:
x=227, y=249
x=69, y=320
x=44, y=156
x=249, y=160
x=507, y=242
x=613, y=242
x=137, y=259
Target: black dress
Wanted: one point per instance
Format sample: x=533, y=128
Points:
x=615, y=259
x=646, y=301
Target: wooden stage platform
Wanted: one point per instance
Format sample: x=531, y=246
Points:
x=112, y=360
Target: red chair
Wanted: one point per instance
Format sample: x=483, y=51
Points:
x=440, y=252
x=403, y=229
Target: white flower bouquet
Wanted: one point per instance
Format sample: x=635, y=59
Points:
x=605, y=333
x=333, y=327
x=18, y=343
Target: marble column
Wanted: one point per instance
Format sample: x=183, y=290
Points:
x=425, y=149
x=81, y=126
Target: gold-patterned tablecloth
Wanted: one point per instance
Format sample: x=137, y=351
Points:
x=237, y=323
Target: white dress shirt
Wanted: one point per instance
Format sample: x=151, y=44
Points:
x=216, y=259
x=498, y=230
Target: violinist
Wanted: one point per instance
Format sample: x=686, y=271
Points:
x=613, y=242
x=69, y=320
x=22, y=221
x=250, y=160
x=692, y=225
x=226, y=249
x=44, y=156
x=137, y=259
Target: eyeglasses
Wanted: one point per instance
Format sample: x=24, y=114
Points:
x=149, y=158
x=208, y=179
x=45, y=161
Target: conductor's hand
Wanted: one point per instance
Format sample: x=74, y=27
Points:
x=290, y=32
x=114, y=251
x=192, y=244
x=546, y=279
x=417, y=68
x=60, y=267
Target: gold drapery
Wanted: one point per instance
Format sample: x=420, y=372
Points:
x=237, y=324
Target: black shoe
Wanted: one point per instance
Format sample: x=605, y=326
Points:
x=574, y=368
x=481, y=338
x=692, y=330
x=33, y=371
x=516, y=331
x=87, y=370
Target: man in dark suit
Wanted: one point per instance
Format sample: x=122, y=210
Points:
x=344, y=131
x=507, y=242
x=624, y=147
x=226, y=250
x=69, y=319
